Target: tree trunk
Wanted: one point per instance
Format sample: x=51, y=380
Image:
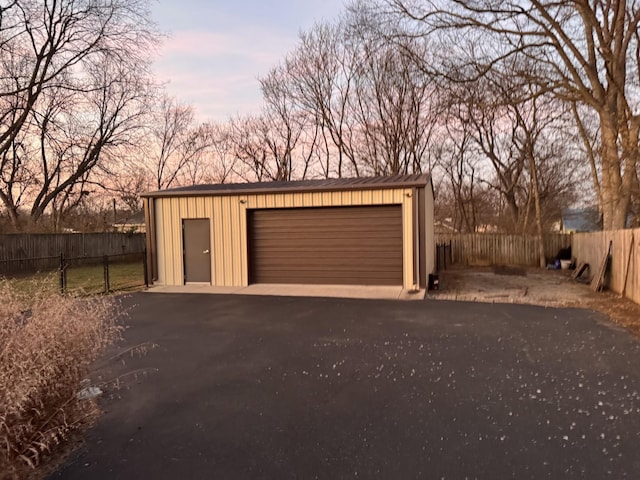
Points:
x=536, y=198
x=12, y=211
x=615, y=198
x=512, y=204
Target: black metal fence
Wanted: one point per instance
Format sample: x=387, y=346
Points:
x=18, y=267
x=87, y=274
x=443, y=255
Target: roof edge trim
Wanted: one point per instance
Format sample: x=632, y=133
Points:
x=303, y=186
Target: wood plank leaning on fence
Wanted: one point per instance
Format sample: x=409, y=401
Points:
x=597, y=283
x=626, y=270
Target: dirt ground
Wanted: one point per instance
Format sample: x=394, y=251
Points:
x=549, y=288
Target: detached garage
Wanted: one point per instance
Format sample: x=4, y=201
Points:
x=362, y=231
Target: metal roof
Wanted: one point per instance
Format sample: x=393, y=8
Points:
x=324, y=185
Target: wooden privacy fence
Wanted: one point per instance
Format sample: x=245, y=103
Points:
x=23, y=246
x=502, y=249
x=624, y=274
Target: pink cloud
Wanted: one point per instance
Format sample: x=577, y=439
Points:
x=218, y=72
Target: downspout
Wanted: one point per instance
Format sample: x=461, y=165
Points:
x=147, y=240
x=150, y=238
x=416, y=241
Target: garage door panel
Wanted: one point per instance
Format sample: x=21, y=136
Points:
x=328, y=261
x=301, y=214
x=343, y=269
x=343, y=226
x=344, y=233
x=386, y=222
x=334, y=275
x=329, y=245
x=331, y=218
x=282, y=255
x=321, y=260
x=317, y=270
x=343, y=280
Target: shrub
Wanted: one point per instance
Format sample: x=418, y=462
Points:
x=47, y=344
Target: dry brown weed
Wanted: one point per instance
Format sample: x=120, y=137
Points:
x=47, y=345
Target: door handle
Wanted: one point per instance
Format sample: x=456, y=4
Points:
x=205, y=251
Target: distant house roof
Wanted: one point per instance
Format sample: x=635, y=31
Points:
x=334, y=184
x=135, y=219
x=444, y=226
x=586, y=219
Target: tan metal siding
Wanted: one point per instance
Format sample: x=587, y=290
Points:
x=327, y=245
x=407, y=224
x=244, y=267
x=160, y=241
x=226, y=238
x=176, y=241
x=229, y=265
x=430, y=242
x=164, y=223
x=422, y=228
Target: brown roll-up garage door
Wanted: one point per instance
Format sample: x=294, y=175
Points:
x=329, y=245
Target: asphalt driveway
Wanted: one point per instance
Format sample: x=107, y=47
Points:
x=279, y=387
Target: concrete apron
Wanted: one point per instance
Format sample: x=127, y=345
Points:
x=286, y=290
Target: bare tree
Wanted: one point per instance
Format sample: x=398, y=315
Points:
x=264, y=147
x=320, y=79
x=589, y=138
x=586, y=52
x=17, y=174
x=113, y=107
x=391, y=102
x=42, y=42
x=296, y=140
x=219, y=160
x=457, y=159
x=486, y=117
x=50, y=51
x=128, y=186
x=74, y=133
x=516, y=144
x=353, y=104
x=174, y=140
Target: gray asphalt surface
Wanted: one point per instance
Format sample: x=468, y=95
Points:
x=279, y=387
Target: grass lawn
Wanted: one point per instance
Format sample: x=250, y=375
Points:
x=88, y=279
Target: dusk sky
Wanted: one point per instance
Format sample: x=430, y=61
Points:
x=217, y=49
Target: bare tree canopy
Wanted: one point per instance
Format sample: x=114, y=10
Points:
x=350, y=104
x=172, y=141
x=509, y=106
x=586, y=52
x=72, y=74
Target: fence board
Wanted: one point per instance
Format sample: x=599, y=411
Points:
x=591, y=248
x=19, y=246
x=502, y=249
